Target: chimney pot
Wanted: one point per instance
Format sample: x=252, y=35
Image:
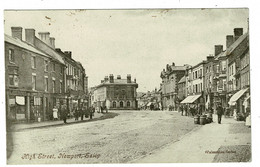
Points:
x=45, y=37
x=17, y=32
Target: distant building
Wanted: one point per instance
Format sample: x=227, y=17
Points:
x=169, y=87
x=116, y=93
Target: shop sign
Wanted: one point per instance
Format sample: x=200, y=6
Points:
x=11, y=101
x=20, y=100
x=20, y=116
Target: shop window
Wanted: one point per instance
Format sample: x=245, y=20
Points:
x=11, y=55
x=53, y=86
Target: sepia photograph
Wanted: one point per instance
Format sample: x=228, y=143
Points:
x=127, y=86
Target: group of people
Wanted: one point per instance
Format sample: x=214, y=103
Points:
x=192, y=110
x=78, y=112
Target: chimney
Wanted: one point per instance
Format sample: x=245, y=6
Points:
x=45, y=37
x=52, y=42
x=58, y=50
x=229, y=41
x=118, y=77
x=218, y=49
x=237, y=33
x=210, y=57
x=106, y=78
x=68, y=53
x=173, y=64
x=30, y=36
x=128, y=78
x=134, y=80
x=111, y=78
x=17, y=32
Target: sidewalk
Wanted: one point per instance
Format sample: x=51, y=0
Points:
x=202, y=144
x=23, y=126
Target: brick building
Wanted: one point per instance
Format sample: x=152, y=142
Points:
x=34, y=78
x=116, y=93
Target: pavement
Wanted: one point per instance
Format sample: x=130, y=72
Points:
x=23, y=126
x=202, y=145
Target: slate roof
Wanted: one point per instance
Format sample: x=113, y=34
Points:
x=24, y=45
x=236, y=43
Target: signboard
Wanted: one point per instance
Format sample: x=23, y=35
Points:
x=11, y=101
x=20, y=116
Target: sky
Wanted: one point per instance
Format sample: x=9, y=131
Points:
x=136, y=42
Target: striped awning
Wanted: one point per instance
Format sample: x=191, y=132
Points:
x=190, y=99
x=236, y=96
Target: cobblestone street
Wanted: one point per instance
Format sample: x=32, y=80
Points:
x=128, y=136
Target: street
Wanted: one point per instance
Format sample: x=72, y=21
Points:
x=130, y=135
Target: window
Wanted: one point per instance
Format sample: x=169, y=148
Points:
x=33, y=62
x=60, y=87
x=13, y=78
x=11, y=55
x=121, y=104
x=46, y=65
x=114, y=104
x=53, y=86
x=200, y=72
x=224, y=65
x=34, y=82
x=46, y=84
x=196, y=74
x=53, y=66
x=61, y=69
x=128, y=104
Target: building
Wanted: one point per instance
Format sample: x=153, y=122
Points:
x=75, y=81
x=116, y=93
x=150, y=100
x=182, y=89
x=238, y=74
x=170, y=78
x=34, y=78
x=195, y=86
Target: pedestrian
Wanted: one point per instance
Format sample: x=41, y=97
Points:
x=76, y=113
x=101, y=109
x=55, y=113
x=64, y=113
x=105, y=108
x=181, y=108
x=81, y=111
x=219, y=113
x=92, y=110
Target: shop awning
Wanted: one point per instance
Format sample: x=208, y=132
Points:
x=236, y=96
x=20, y=100
x=190, y=99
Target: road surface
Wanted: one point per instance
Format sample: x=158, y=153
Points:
x=122, y=139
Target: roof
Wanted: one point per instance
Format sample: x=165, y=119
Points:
x=117, y=82
x=24, y=45
x=236, y=43
x=222, y=54
x=182, y=80
x=50, y=51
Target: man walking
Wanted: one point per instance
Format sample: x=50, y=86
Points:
x=220, y=113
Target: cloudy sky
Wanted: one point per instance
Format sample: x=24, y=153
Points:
x=136, y=42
